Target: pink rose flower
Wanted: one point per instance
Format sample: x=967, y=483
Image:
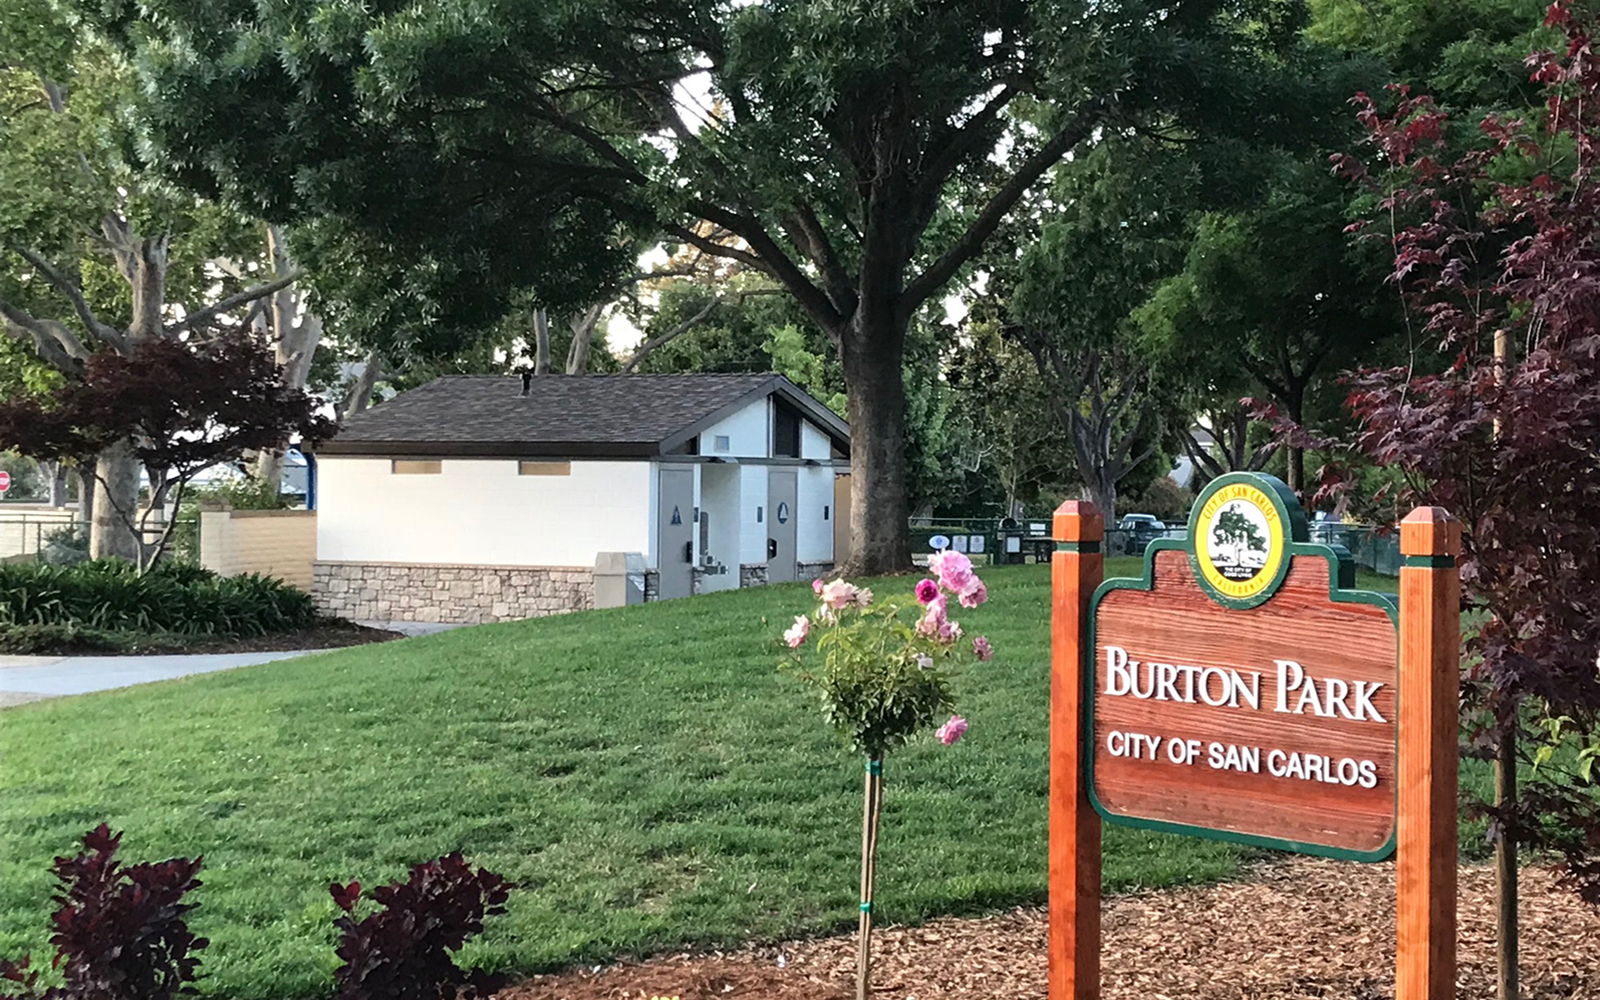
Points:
x=952, y=730
x=954, y=570
x=816, y=586
x=838, y=594
x=796, y=633
x=982, y=650
x=949, y=632
x=927, y=590
x=934, y=618
x=863, y=598
x=974, y=593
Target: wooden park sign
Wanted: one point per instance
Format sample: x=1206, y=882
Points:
x=1242, y=689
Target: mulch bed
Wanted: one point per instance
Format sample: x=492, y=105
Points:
x=328, y=635
x=1302, y=929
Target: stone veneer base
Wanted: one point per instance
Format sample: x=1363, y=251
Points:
x=813, y=570
x=457, y=595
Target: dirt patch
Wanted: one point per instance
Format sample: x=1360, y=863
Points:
x=1302, y=929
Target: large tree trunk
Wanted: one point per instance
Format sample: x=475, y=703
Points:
x=541, y=342
x=1101, y=490
x=116, y=501
x=583, y=327
x=1097, y=468
x=1296, y=407
x=359, y=394
x=879, y=537
x=295, y=332
x=86, y=497
x=55, y=483
x=143, y=264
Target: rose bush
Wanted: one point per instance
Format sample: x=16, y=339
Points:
x=884, y=677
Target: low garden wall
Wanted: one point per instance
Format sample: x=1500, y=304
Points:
x=276, y=543
x=457, y=595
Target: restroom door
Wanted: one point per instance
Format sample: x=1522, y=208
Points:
x=782, y=494
x=675, y=532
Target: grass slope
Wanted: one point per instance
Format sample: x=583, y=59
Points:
x=645, y=775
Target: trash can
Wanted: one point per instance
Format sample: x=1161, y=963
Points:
x=618, y=579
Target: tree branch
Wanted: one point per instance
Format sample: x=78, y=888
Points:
x=233, y=301
x=689, y=324
x=53, y=342
x=1198, y=457
x=806, y=229
x=74, y=294
x=682, y=328
x=715, y=249
x=962, y=142
x=775, y=262
x=989, y=219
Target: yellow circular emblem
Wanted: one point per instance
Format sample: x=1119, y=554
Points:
x=1239, y=541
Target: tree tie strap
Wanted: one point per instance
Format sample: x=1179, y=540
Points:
x=866, y=907
x=875, y=767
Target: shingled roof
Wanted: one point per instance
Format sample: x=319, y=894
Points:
x=566, y=415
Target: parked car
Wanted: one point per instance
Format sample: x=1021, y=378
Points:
x=1138, y=531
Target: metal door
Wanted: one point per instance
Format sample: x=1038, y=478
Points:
x=782, y=491
x=675, y=534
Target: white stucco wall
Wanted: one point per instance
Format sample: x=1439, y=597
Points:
x=481, y=512
x=748, y=432
x=753, y=496
x=813, y=442
x=813, y=535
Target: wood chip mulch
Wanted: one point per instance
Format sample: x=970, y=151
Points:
x=1302, y=929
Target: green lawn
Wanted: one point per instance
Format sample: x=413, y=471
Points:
x=645, y=775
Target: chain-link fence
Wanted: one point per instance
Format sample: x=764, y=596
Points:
x=1373, y=548
x=1006, y=540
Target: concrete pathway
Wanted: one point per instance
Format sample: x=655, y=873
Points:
x=29, y=678
x=409, y=628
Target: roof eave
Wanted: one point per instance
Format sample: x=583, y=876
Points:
x=489, y=449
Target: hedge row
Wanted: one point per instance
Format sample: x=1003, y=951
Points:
x=110, y=595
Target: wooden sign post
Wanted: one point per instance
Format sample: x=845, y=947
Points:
x=1241, y=689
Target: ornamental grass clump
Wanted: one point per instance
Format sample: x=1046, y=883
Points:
x=883, y=678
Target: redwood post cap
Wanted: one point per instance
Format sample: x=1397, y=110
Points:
x=1430, y=531
x=1079, y=521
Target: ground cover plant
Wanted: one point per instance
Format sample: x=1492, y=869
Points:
x=108, y=604
x=122, y=931
x=643, y=775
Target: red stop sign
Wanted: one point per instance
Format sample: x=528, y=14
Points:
x=5, y=481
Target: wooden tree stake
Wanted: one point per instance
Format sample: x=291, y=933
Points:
x=1430, y=650
x=1076, y=570
x=872, y=807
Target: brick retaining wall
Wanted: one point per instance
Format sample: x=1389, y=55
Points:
x=464, y=595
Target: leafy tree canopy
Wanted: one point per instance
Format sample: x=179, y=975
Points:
x=858, y=154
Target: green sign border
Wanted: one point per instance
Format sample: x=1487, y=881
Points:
x=1290, y=514
x=1341, y=590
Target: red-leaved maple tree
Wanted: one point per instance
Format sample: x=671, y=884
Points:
x=184, y=406
x=1502, y=243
